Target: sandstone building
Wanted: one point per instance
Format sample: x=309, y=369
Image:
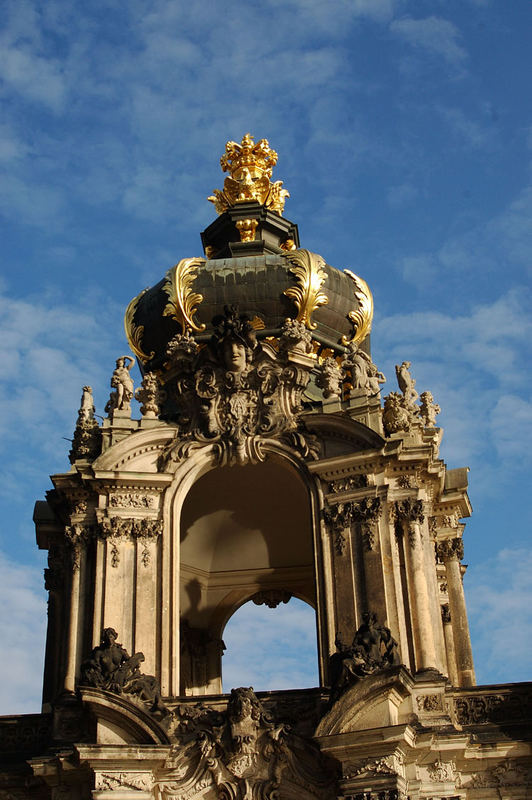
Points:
x=258, y=381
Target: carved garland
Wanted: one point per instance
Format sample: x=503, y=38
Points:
x=116, y=528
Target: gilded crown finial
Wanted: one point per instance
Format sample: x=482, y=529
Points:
x=250, y=168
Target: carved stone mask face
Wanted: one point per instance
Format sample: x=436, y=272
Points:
x=234, y=355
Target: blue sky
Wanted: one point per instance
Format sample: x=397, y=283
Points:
x=404, y=135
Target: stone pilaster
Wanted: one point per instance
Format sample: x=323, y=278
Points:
x=366, y=515
x=451, y=552
x=346, y=589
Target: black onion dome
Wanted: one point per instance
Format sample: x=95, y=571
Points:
x=260, y=278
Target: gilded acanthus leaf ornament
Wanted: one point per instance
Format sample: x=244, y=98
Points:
x=134, y=333
x=307, y=295
x=182, y=301
x=250, y=167
x=361, y=317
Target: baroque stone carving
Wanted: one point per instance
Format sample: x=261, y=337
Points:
x=387, y=765
x=272, y=597
x=87, y=434
x=122, y=383
x=250, y=167
x=407, y=512
x=429, y=702
x=110, y=667
x=449, y=549
x=132, y=500
x=373, y=649
x=150, y=395
x=142, y=529
x=445, y=613
x=499, y=708
x=367, y=514
x=362, y=372
x=77, y=537
x=242, y=753
x=442, y=771
x=329, y=378
x=236, y=394
x=395, y=417
x=116, y=781
x=351, y=482
x=428, y=410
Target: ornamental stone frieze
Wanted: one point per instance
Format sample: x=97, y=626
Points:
x=347, y=484
x=142, y=529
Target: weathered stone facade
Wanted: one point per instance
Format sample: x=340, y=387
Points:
x=278, y=399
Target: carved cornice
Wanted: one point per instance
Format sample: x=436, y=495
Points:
x=450, y=549
x=351, y=482
x=361, y=317
x=310, y=274
x=182, y=301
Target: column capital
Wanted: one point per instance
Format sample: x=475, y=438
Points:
x=409, y=510
x=450, y=549
x=338, y=516
x=366, y=514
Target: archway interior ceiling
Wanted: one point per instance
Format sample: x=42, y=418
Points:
x=250, y=521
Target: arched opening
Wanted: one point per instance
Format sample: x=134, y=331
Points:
x=271, y=648
x=245, y=531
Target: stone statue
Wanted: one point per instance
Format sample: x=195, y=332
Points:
x=406, y=384
x=87, y=435
x=329, y=378
x=429, y=410
x=373, y=649
x=364, y=373
x=122, y=383
x=110, y=667
x=395, y=417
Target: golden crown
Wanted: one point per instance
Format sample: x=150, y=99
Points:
x=258, y=158
x=250, y=167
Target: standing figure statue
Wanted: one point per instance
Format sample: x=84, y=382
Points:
x=122, y=383
x=406, y=384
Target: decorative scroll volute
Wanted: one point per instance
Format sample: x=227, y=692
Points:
x=361, y=317
x=182, y=301
x=134, y=333
x=307, y=295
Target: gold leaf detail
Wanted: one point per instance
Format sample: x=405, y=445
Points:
x=182, y=300
x=307, y=295
x=362, y=317
x=134, y=333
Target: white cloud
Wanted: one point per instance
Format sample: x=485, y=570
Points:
x=283, y=656
x=499, y=595
x=433, y=34
x=22, y=631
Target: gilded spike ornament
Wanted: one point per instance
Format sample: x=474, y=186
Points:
x=307, y=295
x=361, y=317
x=134, y=333
x=250, y=167
x=182, y=301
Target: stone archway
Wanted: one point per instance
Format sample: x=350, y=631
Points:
x=244, y=531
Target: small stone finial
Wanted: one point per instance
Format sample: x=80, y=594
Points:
x=87, y=434
x=250, y=167
x=122, y=383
